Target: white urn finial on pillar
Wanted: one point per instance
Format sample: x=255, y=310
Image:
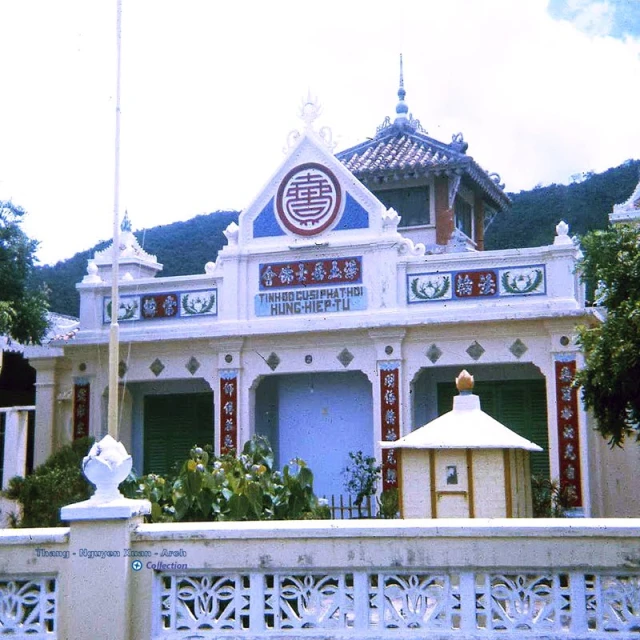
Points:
x=106, y=465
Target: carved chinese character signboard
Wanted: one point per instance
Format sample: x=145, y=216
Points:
x=81, y=410
x=228, y=410
x=311, y=273
x=301, y=287
x=568, y=428
x=389, y=420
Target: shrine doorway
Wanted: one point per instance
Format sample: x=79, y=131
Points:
x=319, y=417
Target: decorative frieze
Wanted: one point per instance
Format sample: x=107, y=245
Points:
x=485, y=283
x=382, y=604
x=186, y=304
x=311, y=273
x=389, y=419
x=568, y=426
x=228, y=410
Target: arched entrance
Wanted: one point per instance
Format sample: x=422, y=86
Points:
x=319, y=417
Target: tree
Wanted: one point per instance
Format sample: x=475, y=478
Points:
x=23, y=309
x=610, y=379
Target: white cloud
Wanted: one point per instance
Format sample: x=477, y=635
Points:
x=210, y=91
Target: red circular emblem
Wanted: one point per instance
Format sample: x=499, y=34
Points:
x=308, y=199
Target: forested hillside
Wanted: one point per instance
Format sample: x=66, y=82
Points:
x=185, y=247
x=584, y=206
x=182, y=248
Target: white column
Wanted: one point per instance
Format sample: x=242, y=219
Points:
x=45, y=408
x=15, y=443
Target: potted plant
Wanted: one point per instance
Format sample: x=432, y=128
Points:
x=361, y=477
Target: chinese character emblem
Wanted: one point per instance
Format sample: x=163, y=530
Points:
x=308, y=200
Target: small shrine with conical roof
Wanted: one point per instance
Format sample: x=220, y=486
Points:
x=464, y=464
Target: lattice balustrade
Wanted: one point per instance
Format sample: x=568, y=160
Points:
x=414, y=601
x=28, y=607
x=204, y=602
x=613, y=604
x=523, y=602
x=396, y=604
x=308, y=601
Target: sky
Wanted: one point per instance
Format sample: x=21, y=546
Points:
x=542, y=90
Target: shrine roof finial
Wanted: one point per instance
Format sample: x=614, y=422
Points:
x=126, y=222
x=401, y=108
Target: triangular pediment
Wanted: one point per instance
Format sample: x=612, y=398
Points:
x=311, y=197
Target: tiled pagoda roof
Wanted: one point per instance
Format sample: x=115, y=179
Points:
x=400, y=152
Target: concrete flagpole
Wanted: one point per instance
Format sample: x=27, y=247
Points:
x=114, y=350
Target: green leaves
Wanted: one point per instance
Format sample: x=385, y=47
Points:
x=361, y=476
x=52, y=485
x=610, y=379
x=230, y=488
x=23, y=309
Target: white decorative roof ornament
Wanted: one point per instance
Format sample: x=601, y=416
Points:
x=92, y=273
x=466, y=426
x=562, y=234
x=309, y=111
x=628, y=211
x=137, y=262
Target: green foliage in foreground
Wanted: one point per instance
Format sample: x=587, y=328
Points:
x=361, y=477
x=23, y=307
x=52, y=485
x=230, y=488
x=610, y=379
x=205, y=488
x=549, y=499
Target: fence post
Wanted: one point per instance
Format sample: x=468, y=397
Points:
x=15, y=443
x=96, y=587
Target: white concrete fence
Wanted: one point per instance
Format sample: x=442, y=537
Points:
x=113, y=577
x=16, y=427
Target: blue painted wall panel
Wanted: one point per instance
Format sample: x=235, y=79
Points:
x=321, y=417
x=265, y=225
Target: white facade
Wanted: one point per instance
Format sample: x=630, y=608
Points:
x=311, y=286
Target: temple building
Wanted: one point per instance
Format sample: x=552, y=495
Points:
x=349, y=295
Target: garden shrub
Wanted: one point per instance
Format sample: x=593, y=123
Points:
x=549, y=499
x=54, y=484
x=204, y=488
x=227, y=487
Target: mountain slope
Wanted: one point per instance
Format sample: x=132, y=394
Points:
x=182, y=248
x=185, y=247
x=585, y=206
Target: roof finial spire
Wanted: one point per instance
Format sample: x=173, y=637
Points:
x=125, y=225
x=401, y=108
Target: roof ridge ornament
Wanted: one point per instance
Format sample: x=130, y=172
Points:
x=404, y=121
x=125, y=225
x=309, y=111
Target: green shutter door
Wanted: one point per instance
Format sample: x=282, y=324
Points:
x=520, y=405
x=172, y=425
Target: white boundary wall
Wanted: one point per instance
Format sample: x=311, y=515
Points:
x=472, y=579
